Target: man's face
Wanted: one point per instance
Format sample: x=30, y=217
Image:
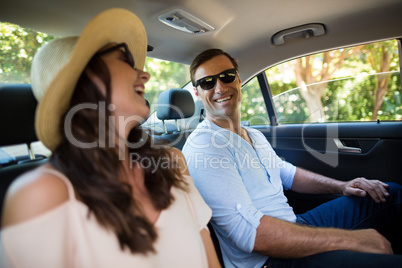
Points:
x=221, y=102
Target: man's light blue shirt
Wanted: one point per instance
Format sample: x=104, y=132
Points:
x=240, y=183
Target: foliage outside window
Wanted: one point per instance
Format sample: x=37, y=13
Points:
x=360, y=83
x=253, y=109
x=17, y=48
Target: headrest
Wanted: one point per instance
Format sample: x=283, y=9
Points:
x=175, y=103
x=17, y=114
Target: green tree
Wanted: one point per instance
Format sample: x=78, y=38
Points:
x=312, y=81
x=253, y=107
x=17, y=48
x=383, y=58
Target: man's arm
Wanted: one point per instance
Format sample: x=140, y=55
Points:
x=281, y=239
x=313, y=183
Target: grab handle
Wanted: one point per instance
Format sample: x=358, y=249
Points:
x=314, y=29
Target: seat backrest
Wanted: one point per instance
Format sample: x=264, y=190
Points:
x=17, y=119
x=174, y=104
x=17, y=114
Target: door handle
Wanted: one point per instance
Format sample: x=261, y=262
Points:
x=346, y=149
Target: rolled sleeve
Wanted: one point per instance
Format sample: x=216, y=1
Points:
x=287, y=175
x=246, y=230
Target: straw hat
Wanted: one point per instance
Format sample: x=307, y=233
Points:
x=58, y=65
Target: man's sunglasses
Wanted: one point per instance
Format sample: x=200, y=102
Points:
x=209, y=82
x=129, y=56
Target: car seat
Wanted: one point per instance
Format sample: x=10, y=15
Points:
x=17, y=113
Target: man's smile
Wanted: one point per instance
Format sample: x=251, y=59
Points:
x=223, y=99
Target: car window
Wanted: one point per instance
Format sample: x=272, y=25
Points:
x=360, y=83
x=17, y=48
x=253, y=109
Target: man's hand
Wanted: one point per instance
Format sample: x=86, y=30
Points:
x=371, y=241
x=362, y=186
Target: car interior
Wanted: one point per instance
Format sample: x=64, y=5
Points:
x=260, y=34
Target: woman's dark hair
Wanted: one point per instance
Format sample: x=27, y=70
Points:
x=97, y=174
x=207, y=55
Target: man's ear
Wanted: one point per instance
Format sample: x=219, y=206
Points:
x=196, y=93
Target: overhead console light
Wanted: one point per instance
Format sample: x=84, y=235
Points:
x=185, y=22
x=303, y=31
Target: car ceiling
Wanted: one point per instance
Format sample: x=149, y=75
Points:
x=242, y=28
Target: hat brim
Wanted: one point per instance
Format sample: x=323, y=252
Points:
x=113, y=25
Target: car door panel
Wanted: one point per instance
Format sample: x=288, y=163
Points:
x=313, y=147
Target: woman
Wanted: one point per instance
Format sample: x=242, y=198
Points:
x=96, y=203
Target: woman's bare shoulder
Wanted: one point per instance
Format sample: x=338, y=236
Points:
x=178, y=157
x=33, y=194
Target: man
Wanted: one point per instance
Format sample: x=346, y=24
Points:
x=242, y=180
